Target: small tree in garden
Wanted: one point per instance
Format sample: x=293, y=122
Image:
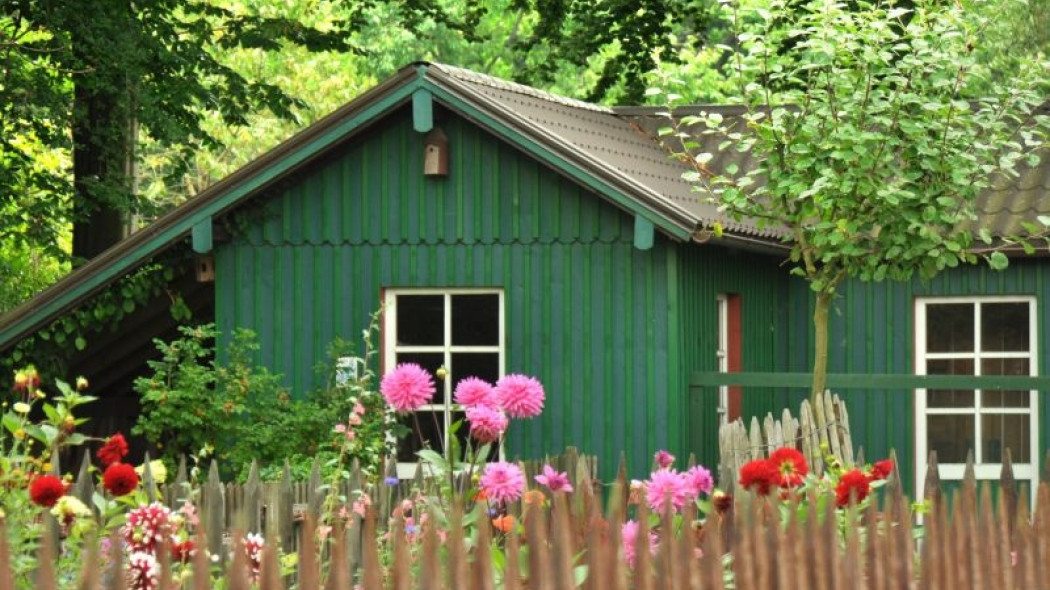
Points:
x=871, y=148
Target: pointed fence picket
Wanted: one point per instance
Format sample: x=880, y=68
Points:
x=823, y=425
x=977, y=540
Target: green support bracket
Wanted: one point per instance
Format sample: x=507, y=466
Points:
x=643, y=233
x=422, y=110
x=202, y=236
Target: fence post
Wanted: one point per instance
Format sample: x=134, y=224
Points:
x=314, y=497
x=253, y=498
x=932, y=487
x=282, y=512
x=214, y=510
x=148, y=483
x=85, y=487
x=1008, y=489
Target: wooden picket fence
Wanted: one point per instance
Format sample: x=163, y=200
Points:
x=278, y=509
x=976, y=543
x=823, y=425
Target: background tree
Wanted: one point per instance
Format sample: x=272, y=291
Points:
x=874, y=136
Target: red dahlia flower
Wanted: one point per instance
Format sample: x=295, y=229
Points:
x=853, y=482
x=791, y=466
x=882, y=469
x=120, y=479
x=46, y=490
x=115, y=449
x=759, y=476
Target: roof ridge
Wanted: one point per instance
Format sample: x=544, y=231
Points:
x=475, y=77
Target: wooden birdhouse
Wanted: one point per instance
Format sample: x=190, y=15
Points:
x=204, y=265
x=435, y=154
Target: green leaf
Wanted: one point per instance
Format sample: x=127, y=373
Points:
x=434, y=458
x=579, y=575
x=998, y=261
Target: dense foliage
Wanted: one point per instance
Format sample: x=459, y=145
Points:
x=235, y=411
x=876, y=128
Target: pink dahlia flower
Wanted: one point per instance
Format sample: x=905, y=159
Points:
x=146, y=527
x=663, y=459
x=502, y=482
x=521, y=396
x=629, y=536
x=407, y=387
x=666, y=485
x=699, y=480
x=143, y=571
x=553, y=479
x=475, y=392
x=486, y=424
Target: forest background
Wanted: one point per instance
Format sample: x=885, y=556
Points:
x=110, y=120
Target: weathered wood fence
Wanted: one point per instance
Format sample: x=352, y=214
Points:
x=823, y=425
x=981, y=542
x=277, y=509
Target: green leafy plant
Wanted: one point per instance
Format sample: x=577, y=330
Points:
x=237, y=411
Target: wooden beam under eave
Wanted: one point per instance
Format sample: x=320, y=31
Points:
x=422, y=110
x=644, y=233
x=202, y=236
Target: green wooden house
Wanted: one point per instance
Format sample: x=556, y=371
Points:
x=507, y=230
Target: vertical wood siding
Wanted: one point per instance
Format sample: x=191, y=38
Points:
x=705, y=272
x=586, y=311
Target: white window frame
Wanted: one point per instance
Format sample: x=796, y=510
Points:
x=723, y=356
x=988, y=471
x=391, y=349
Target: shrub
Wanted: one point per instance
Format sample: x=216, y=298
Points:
x=237, y=411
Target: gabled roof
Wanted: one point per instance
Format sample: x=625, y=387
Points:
x=592, y=144
x=613, y=151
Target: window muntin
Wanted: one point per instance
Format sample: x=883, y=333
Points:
x=459, y=329
x=976, y=336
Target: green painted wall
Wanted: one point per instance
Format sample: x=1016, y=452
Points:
x=872, y=331
x=705, y=272
x=587, y=313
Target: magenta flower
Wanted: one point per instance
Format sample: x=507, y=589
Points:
x=699, y=480
x=663, y=459
x=486, y=424
x=475, y=392
x=629, y=536
x=520, y=396
x=557, y=482
x=502, y=482
x=666, y=485
x=407, y=387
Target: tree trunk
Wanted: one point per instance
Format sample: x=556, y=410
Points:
x=102, y=135
x=820, y=343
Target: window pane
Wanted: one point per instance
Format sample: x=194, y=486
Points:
x=1006, y=431
x=1000, y=398
x=475, y=320
x=425, y=430
x=1004, y=327
x=430, y=361
x=949, y=398
x=421, y=320
x=949, y=327
x=483, y=365
x=951, y=436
